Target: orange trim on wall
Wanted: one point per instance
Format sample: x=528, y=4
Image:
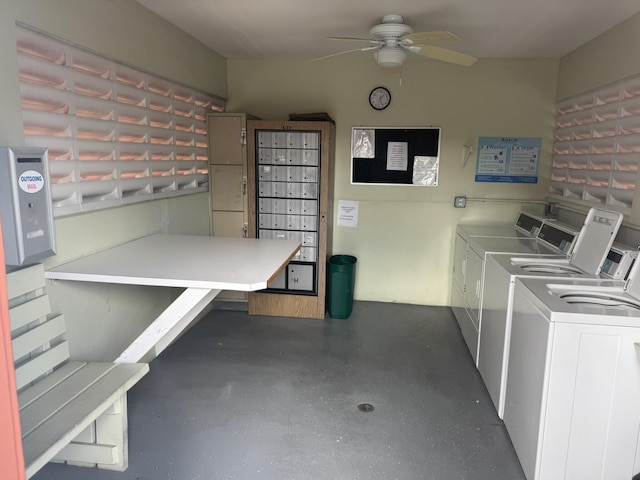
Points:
x=11, y=456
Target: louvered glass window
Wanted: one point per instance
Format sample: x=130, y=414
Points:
x=597, y=145
x=116, y=135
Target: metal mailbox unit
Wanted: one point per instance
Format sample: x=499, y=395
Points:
x=25, y=205
x=289, y=199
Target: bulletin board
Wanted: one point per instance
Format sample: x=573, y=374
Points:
x=395, y=155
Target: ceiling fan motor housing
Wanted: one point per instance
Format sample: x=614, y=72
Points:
x=388, y=35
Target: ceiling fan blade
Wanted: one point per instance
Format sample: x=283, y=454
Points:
x=445, y=55
x=348, y=38
x=346, y=51
x=430, y=37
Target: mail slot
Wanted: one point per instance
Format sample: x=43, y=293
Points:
x=25, y=205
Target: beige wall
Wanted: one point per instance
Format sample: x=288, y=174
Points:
x=611, y=57
x=102, y=319
x=405, y=235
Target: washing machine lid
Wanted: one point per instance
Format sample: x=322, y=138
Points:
x=595, y=239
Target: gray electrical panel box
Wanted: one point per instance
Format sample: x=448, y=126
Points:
x=26, y=210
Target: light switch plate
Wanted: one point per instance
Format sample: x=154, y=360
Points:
x=460, y=202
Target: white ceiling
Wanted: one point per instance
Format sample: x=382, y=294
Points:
x=297, y=28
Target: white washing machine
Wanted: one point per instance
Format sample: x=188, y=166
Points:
x=572, y=405
x=468, y=273
x=526, y=225
x=592, y=247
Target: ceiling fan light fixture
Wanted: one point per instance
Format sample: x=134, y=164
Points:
x=390, y=57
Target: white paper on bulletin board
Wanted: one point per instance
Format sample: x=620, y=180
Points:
x=398, y=156
x=508, y=159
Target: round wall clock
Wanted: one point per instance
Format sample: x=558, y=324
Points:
x=379, y=98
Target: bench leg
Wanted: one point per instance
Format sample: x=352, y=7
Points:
x=104, y=444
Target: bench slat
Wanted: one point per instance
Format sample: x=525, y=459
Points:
x=42, y=386
x=35, y=338
x=37, y=366
x=26, y=313
x=26, y=280
x=59, y=395
x=79, y=452
x=44, y=435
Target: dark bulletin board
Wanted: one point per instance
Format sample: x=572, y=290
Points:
x=421, y=141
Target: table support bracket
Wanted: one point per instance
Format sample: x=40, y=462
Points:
x=168, y=325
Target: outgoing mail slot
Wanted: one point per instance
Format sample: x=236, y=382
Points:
x=25, y=205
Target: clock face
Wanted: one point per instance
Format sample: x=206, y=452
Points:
x=379, y=98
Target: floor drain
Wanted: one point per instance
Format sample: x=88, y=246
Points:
x=365, y=407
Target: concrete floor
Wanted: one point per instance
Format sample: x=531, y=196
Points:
x=242, y=397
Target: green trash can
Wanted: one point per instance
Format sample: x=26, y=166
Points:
x=341, y=279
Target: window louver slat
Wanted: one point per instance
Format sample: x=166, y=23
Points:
x=115, y=134
x=597, y=146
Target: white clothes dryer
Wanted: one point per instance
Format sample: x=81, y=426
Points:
x=572, y=405
x=592, y=246
x=468, y=277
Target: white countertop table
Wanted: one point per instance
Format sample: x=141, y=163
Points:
x=203, y=265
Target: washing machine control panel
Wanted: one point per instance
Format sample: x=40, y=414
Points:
x=618, y=263
x=558, y=236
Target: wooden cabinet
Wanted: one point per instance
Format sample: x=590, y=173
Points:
x=227, y=137
x=289, y=178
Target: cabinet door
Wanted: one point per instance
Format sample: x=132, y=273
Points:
x=227, y=139
x=227, y=188
x=227, y=224
x=227, y=145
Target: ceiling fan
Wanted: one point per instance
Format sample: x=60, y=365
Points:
x=392, y=39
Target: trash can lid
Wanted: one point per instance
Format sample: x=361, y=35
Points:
x=342, y=259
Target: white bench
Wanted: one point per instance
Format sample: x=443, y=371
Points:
x=70, y=411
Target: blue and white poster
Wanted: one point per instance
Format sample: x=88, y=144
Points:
x=508, y=159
